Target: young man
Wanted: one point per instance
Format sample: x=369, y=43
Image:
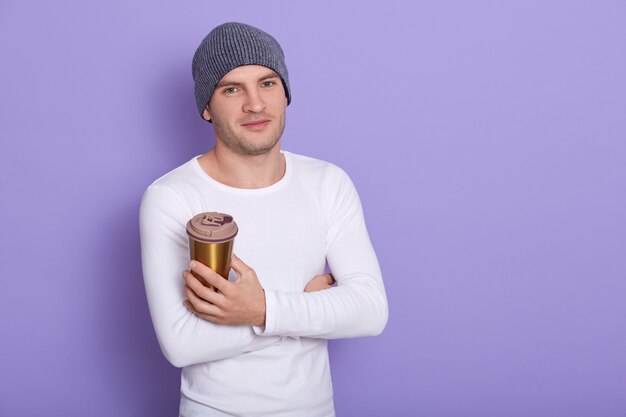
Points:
x=257, y=346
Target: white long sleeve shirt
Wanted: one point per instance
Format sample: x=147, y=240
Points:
x=287, y=233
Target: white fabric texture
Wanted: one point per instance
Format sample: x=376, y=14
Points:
x=288, y=233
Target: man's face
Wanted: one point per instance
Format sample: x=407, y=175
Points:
x=248, y=109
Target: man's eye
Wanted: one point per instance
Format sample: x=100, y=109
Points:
x=268, y=83
x=230, y=90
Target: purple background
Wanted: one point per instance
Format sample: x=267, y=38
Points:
x=487, y=140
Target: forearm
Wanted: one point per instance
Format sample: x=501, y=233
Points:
x=186, y=339
x=190, y=340
x=356, y=307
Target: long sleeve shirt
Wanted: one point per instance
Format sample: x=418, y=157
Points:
x=289, y=232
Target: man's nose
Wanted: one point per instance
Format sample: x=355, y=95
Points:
x=254, y=101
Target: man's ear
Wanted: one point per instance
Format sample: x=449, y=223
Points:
x=206, y=115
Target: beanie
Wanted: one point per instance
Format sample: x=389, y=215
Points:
x=231, y=45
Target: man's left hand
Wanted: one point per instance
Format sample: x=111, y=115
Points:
x=239, y=302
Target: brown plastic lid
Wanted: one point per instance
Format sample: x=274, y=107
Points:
x=212, y=227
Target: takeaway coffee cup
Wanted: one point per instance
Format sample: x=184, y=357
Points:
x=211, y=237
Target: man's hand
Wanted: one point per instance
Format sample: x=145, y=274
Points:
x=320, y=282
x=238, y=302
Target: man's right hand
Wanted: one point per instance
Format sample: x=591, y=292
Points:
x=239, y=302
x=320, y=282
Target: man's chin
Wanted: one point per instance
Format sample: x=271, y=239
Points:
x=254, y=152
x=255, y=149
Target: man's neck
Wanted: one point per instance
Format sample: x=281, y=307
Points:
x=243, y=171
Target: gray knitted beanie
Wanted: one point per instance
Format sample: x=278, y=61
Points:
x=231, y=45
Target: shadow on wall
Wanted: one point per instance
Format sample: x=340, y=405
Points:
x=135, y=374
x=180, y=131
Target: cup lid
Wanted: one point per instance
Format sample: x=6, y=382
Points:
x=212, y=227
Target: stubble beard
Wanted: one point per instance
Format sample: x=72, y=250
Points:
x=259, y=146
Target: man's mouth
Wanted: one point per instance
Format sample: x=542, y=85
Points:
x=256, y=124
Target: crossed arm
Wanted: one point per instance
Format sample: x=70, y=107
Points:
x=244, y=317
x=241, y=302
x=356, y=307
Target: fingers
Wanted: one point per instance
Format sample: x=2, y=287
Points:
x=207, y=317
x=320, y=282
x=209, y=275
x=202, y=292
x=198, y=305
x=239, y=266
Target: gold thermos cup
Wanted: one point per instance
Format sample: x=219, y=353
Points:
x=211, y=238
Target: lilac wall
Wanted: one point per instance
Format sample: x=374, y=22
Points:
x=487, y=140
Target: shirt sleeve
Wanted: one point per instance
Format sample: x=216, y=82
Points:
x=184, y=338
x=357, y=306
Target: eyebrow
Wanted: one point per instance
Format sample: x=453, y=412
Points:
x=224, y=82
